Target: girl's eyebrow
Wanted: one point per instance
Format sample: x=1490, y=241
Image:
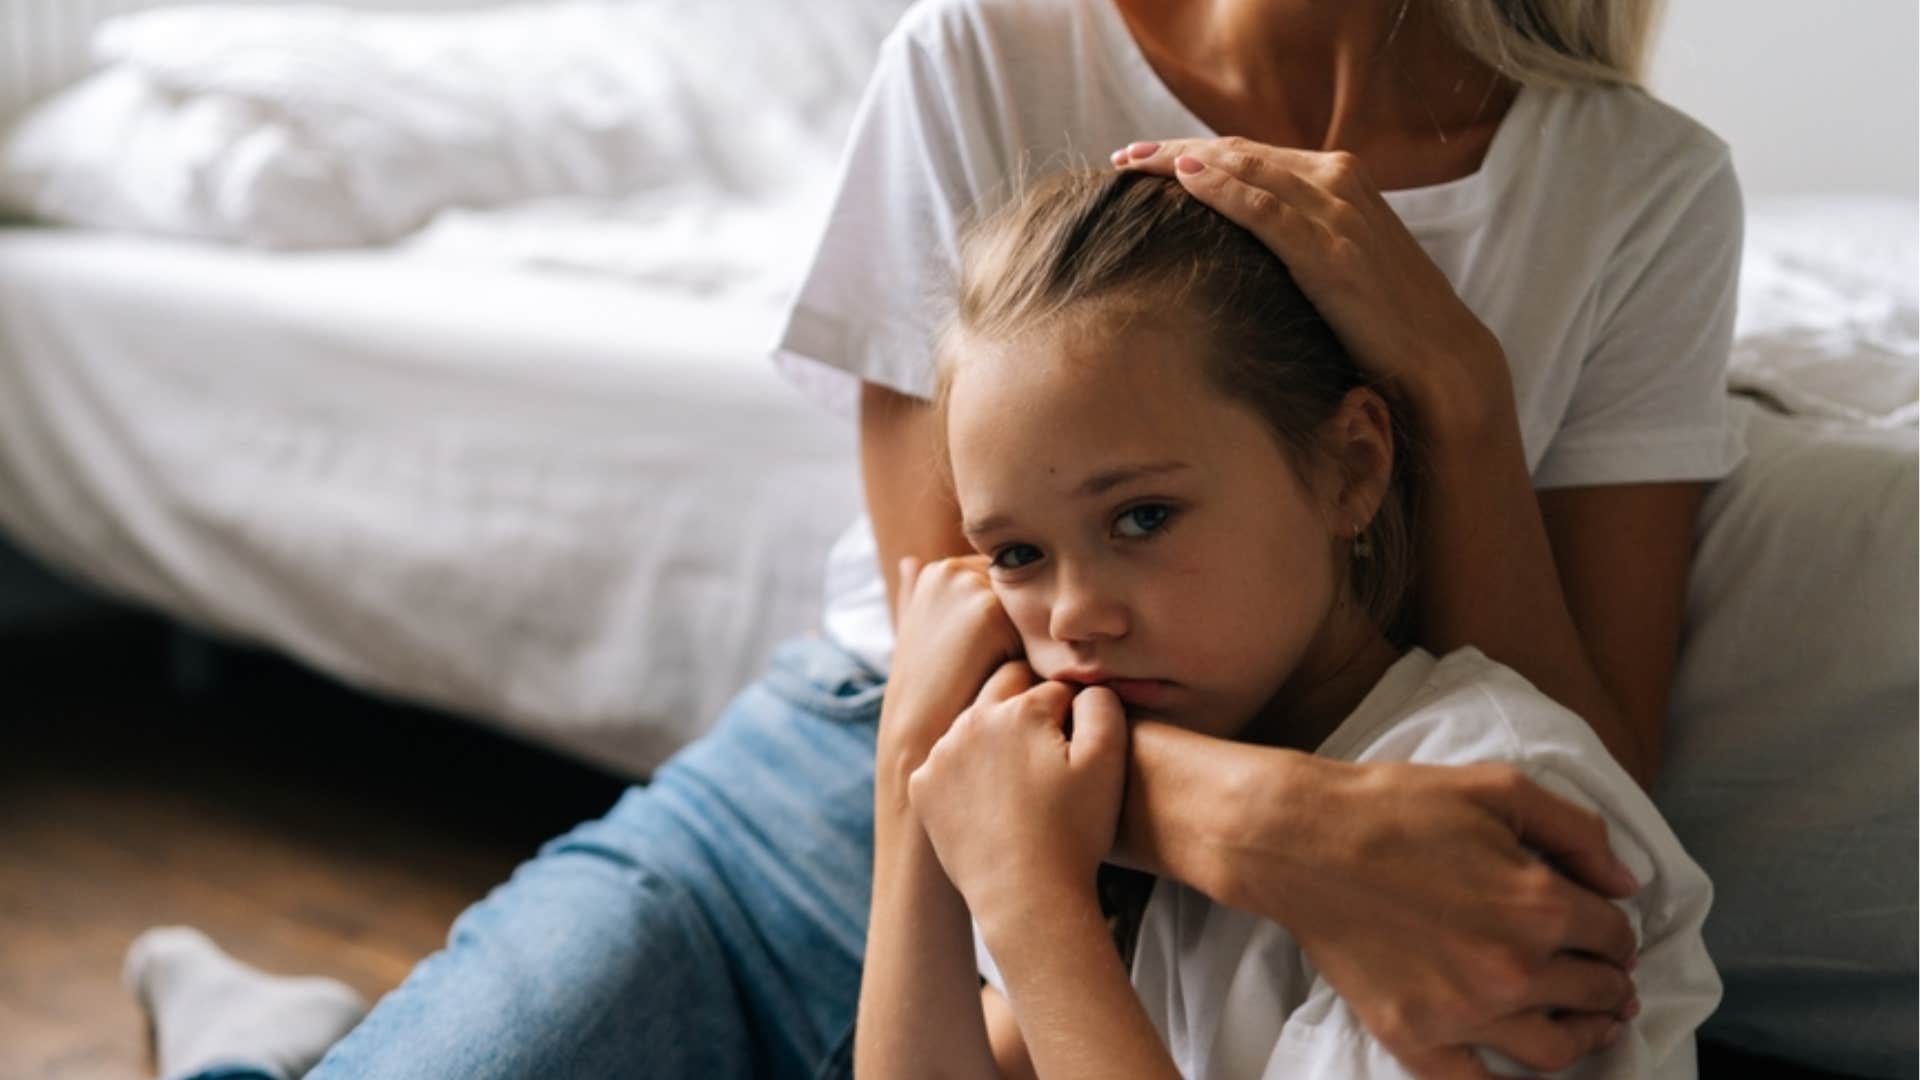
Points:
x=1098, y=484
x=1107, y=479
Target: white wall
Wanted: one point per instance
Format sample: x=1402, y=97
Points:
x=1813, y=95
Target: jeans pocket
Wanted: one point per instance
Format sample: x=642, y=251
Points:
x=814, y=674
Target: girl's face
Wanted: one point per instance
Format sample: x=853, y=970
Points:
x=1146, y=532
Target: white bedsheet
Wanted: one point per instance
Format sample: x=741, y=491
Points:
x=1828, y=326
x=579, y=508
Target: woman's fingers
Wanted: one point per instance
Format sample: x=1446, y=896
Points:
x=1314, y=181
x=1229, y=152
x=1598, y=928
x=1285, y=212
x=1550, y=1043
x=1574, y=838
x=1572, y=983
x=1264, y=189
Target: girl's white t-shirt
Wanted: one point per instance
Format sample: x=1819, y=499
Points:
x=1234, y=996
x=1600, y=240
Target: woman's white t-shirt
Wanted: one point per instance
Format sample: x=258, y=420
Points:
x=1600, y=240
x=1234, y=996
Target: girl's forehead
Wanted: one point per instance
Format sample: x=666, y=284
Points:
x=1142, y=364
x=1073, y=396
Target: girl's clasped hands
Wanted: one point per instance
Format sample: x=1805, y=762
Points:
x=1021, y=795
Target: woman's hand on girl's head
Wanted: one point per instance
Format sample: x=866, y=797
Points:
x=1020, y=813
x=1395, y=311
x=950, y=634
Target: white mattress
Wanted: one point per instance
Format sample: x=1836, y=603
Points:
x=578, y=507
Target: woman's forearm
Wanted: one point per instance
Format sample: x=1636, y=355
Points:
x=920, y=1013
x=1205, y=811
x=1487, y=574
x=909, y=504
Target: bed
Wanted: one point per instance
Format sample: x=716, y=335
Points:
x=530, y=463
x=561, y=504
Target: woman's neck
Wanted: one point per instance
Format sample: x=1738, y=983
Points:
x=1381, y=78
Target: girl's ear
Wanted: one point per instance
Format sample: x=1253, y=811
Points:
x=1358, y=440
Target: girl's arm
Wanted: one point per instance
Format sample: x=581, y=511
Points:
x=1003, y=1031
x=1078, y=1013
x=920, y=1009
x=1021, y=816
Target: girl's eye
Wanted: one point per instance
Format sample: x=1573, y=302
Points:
x=1015, y=556
x=1143, y=520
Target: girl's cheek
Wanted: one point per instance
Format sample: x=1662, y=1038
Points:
x=1029, y=614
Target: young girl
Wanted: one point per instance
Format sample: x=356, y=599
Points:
x=1189, y=505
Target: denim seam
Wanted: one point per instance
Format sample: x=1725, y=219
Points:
x=796, y=689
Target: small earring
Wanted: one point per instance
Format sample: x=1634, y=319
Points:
x=1362, y=543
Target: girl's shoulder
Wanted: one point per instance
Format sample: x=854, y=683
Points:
x=1466, y=709
x=1461, y=708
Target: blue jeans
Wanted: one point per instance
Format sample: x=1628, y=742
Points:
x=710, y=925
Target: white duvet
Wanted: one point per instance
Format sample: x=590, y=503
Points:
x=309, y=126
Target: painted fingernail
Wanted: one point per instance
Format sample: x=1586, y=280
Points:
x=1119, y=157
x=1187, y=164
x=1142, y=149
x=1632, y=1010
x=1633, y=961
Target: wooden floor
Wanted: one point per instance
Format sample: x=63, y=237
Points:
x=305, y=828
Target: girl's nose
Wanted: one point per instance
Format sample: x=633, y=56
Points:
x=1084, y=612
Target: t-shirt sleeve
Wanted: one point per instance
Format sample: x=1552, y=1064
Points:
x=1651, y=404
x=983, y=960
x=1677, y=984
x=876, y=291
x=1492, y=715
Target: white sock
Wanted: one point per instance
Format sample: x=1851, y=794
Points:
x=209, y=1009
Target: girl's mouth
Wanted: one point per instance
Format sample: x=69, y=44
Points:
x=1141, y=693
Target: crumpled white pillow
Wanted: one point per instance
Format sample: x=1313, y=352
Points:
x=314, y=126
x=116, y=152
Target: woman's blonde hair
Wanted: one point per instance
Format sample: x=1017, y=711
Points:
x=1555, y=42
x=1094, y=249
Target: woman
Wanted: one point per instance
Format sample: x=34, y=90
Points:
x=1558, y=314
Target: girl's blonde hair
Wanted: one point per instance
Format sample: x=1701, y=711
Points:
x=1090, y=250
x=1555, y=42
